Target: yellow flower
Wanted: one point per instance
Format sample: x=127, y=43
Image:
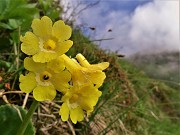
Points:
x=77, y=100
x=84, y=94
x=83, y=72
x=45, y=78
x=48, y=41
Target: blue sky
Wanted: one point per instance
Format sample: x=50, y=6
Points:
x=138, y=26
x=122, y=5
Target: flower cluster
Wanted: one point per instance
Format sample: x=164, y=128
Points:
x=50, y=70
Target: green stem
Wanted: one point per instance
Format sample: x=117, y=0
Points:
x=27, y=118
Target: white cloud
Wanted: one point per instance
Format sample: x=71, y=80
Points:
x=68, y=8
x=153, y=26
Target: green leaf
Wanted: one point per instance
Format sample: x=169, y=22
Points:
x=17, y=13
x=13, y=23
x=4, y=25
x=11, y=118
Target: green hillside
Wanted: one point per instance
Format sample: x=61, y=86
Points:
x=132, y=103
x=164, y=66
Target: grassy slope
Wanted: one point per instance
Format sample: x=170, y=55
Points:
x=132, y=103
x=163, y=66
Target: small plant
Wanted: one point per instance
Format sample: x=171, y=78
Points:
x=49, y=69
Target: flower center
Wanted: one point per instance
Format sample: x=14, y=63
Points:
x=45, y=76
x=49, y=45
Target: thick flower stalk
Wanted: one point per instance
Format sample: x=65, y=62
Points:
x=47, y=41
x=45, y=78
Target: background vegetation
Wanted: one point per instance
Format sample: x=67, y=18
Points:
x=132, y=103
x=164, y=66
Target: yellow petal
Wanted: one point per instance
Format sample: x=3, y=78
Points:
x=80, y=78
x=96, y=77
x=30, y=44
x=63, y=47
x=89, y=91
x=88, y=76
x=64, y=112
x=82, y=60
x=60, y=81
x=71, y=65
x=66, y=96
x=42, y=93
x=43, y=57
x=99, y=66
x=61, y=31
x=89, y=97
x=76, y=114
x=30, y=65
x=57, y=65
x=28, y=82
x=87, y=103
x=43, y=27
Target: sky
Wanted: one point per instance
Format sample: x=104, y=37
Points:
x=132, y=26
